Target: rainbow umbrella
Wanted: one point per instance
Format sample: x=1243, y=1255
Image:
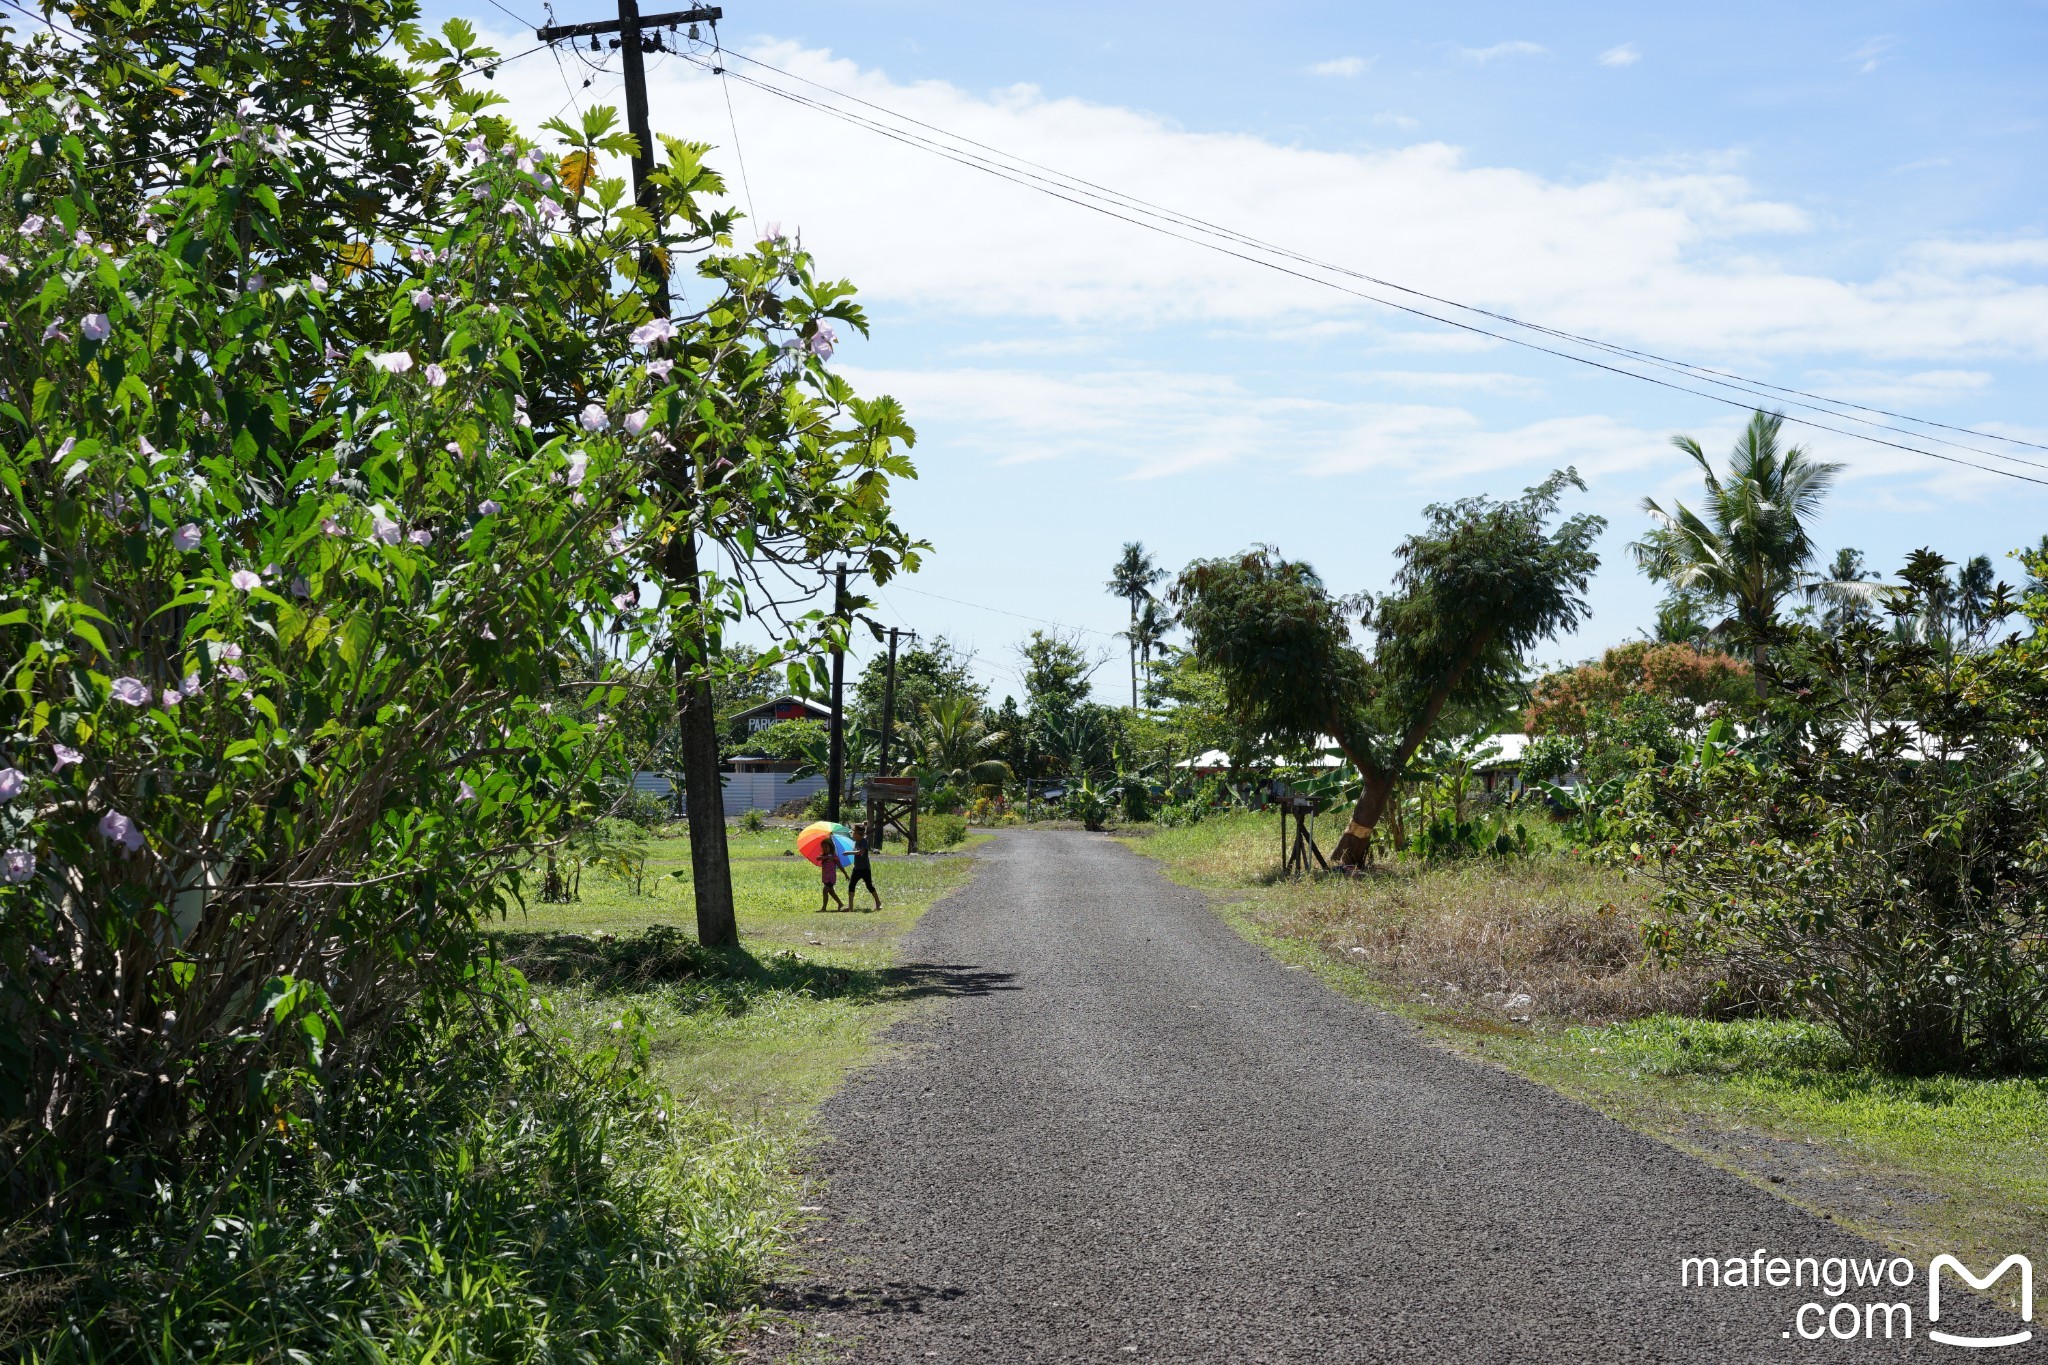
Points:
x=816, y=838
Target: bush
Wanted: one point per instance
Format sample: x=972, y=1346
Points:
x=752, y=821
x=514, y=1205
x=1875, y=852
x=646, y=809
x=941, y=831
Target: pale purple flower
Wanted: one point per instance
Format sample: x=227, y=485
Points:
x=436, y=376
x=548, y=209
x=119, y=829
x=233, y=673
x=419, y=255
x=55, y=331
x=487, y=508
x=318, y=283
x=593, y=419
x=576, y=500
x=520, y=419
x=81, y=239
x=421, y=537
x=254, y=286
x=519, y=401
x=130, y=691
x=332, y=353
x=31, y=225
x=823, y=340
x=660, y=368
x=13, y=781
x=331, y=526
x=423, y=299
x=16, y=867
x=393, y=362
x=464, y=792
x=383, y=527
x=66, y=756
x=245, y=109
x=227, y=649
x=772, y=232
x=143, y=447
x=652, y=331
x=301, y=588
x=636, y=422
x=578, y=464
x=616, y=539
x=95, y=327
x=190, y=686
x=475, y=147
x=487, y=633
x=172, y=696
x=627, y=600
x=245, y=580
x=186, y=537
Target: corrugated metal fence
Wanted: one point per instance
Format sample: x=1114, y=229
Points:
x=744, y=791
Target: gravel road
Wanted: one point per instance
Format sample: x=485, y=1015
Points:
x=1132, y=1135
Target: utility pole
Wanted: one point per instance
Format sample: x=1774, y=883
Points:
x=696, y=712
x=838, y=759
x=889, y=701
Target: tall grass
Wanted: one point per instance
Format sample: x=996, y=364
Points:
x=1558, y=937
x=535, y=1204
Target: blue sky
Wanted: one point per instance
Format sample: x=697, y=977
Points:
x=1843, y=198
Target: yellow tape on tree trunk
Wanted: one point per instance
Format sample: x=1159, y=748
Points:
x=1358, y=831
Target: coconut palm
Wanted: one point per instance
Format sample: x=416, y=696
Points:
x=1748, y=548
x=1148, y=632
x=1133, y=579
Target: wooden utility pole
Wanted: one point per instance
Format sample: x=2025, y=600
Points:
x=838, y=759
x=696, y=712
x=882, y=767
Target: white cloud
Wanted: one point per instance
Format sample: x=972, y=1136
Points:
x=1676, y=256
x=1872, y=53
x=1627, y=54
x=1390, y=119
x=1147, y=424
x=1518, y=47
x=1921, y=389
x=1975, y=258
x=1342, y=66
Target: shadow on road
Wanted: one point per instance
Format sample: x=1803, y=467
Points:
x=727, y=979
x=921, y=980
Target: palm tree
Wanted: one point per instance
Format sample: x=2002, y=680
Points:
x=952, y=741
x=1148, y=632
x=1132, y=579
x=1749, y=549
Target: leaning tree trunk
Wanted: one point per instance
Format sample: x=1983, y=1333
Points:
x=1354, y=849
x=1756, y=668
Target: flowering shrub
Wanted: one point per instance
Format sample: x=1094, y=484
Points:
x=327, y=554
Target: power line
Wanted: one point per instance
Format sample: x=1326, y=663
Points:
x=1000, y=611
x=1701, y=374
x=726, y=88
x=1204, y=225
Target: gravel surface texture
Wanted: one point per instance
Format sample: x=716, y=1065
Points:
x=1132, y=1135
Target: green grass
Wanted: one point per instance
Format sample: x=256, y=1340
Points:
x=764, y=1034
x=1947, y=1163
